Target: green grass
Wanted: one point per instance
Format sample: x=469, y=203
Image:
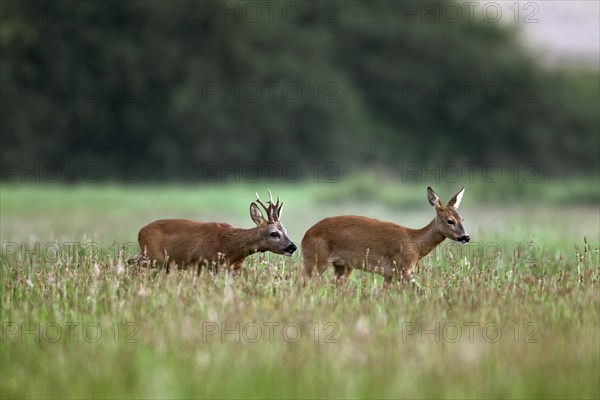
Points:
x=527, y=311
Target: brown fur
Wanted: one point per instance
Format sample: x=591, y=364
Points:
x=187, y=242
x=354, y=242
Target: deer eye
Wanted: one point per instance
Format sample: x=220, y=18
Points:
x=274, y=234
x=450, y=222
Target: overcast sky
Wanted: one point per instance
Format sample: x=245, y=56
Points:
x=558, y=30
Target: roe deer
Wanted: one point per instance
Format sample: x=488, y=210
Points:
x=187, y=242
x=391, y=250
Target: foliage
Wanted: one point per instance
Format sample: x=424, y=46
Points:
x=163, y=71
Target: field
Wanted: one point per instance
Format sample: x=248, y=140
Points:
x=513, y=314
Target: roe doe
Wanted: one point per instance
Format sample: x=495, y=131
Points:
x=353, y=242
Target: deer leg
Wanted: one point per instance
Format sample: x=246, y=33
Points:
x=314, y=260
x=387, y=281
x=198, y=267
x=408, y=277
x=236, y=267
x=399, y=274
x=342, y=272
x=310, y=269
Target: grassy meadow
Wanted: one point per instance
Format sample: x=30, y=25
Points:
x=513, y=314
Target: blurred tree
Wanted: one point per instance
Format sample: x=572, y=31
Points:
x=170, y=86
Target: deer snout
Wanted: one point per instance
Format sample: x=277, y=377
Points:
x=288, y=251
x=464, y=239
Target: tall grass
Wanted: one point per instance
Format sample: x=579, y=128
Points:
x=514, y=314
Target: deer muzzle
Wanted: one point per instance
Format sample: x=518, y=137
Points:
x=463, y=239
x=288, y=251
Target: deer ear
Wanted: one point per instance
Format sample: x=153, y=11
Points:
x=256, y=214
x=433, y=198
x=455, y=201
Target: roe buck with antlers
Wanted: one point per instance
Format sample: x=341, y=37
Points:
x=353, y=242
x=187, y=242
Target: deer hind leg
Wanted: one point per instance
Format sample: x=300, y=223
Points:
x=151, y=251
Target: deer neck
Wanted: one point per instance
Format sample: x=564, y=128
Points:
x=241, y=243
x=427, y=238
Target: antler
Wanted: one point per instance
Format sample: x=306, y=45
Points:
x=273, y=210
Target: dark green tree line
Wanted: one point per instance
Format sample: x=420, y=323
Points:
x=172, y=85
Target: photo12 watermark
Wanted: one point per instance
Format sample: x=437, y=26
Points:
x=66, y=11
x=490, y=252
x=70, y=92
x=471, y=331
x=253, y=172
x=517, y=12
x=469, y=171
x=269, y=12
x=69, y=332
x=420, y=92
x=55, y=251
x=269, y=92
x=68, y=172
x=269, y=332
x=205, y=172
